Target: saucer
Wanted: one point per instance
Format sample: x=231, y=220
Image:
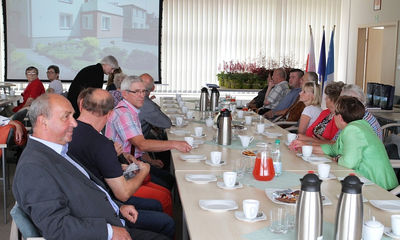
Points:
x=240, y=216
x=330, y=176
x=208, y=162
x=258, y=132
x=388, y=232
x=223, y=186
x=203, y=135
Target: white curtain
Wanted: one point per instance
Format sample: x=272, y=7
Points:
x=198, y=35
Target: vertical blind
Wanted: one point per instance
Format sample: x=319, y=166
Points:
x=198, y=35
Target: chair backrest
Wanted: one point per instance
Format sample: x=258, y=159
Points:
x=24, y=222
x=20, y=115
x=391, y=128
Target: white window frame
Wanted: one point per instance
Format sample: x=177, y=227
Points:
x=87, y=21
x=104, y=25
x=65, y=20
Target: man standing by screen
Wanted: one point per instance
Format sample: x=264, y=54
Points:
x=90, y=76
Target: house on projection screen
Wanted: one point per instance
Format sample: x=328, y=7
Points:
x=107, y=21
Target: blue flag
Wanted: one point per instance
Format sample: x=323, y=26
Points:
x=330, y=66
x=322, y=60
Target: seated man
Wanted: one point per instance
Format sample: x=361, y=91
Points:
x=124, y=126
x=153, y=122
x=98, y=154
x=293, y=112
x=279, y=91
x=258, y=101
x=53, y=74
x=64, y=199
x=295, y=77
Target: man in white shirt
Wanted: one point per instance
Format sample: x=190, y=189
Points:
x=55, y=86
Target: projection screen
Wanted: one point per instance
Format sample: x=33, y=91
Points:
x=73, y=34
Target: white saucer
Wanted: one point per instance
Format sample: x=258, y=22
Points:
x=272, y=135
x=330, y=176
x=223, y=186
x=258, y=132
x=198, y=142
x=240, y=216
x=388, y=232
x=208, y=162
x=204, y=135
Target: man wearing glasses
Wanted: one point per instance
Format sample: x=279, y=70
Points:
x=124, y=127
x=90, y=76
x=55, y=86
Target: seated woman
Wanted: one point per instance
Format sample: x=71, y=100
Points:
x=357, y=146
x=324, y=129
x=117, y=95
x=311, y=97
x=34, y=89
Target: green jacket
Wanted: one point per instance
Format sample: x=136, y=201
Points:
x=363, y=151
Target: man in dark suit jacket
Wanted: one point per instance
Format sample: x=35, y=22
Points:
x=90, y=76
x=63, y=199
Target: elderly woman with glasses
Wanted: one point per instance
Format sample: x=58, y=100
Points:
x=34, y=89
x=358, y=147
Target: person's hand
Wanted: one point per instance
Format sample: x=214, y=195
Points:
x=144, y=167
x=269, y=114
x=131, y=158
x=118, y=148
x=156, y=163
x=120, y=233
x=183, y=146
x=296, y=145
x=129, y=212
x=301, y=136
x=18, y=130
x=124, y=166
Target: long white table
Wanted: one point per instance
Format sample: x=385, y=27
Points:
x=200, y=224
x=9, y=100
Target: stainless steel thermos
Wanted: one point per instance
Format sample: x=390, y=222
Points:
x=309, y=209
x=224, y=127
x=214, y=99
x=349, y=211
x=204, y=99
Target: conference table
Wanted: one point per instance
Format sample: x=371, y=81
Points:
x=201, y=224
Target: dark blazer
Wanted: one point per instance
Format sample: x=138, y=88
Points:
x=90, y=76
x=61, y=201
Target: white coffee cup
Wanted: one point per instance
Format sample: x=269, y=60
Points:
x=245, y=140
x=291, y=137
x=12, y=93
x=248, y=120
x=260, y=127
x=3, y=96
x=396, y=224
x=240, y=113
x=209, y=122
x=198, y=131
x=179, y=121
x=189, y=140
x=250, y=208
x=323, y=170
x=216, y=157
x=189, y=115
x=230, y=179
x=184, y=109
x=239, y=103
x=307, y=151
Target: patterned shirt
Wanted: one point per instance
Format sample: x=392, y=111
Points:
x=277, y=93
x=372, y=121
x=123, y=125
x=117, y=95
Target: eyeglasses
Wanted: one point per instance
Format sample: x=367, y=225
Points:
x=138, y=91
x=31, y=73
x=50, y=72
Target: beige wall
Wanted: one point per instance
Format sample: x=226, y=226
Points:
x=361, y=12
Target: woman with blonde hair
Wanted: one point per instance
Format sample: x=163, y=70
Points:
x=311, y=97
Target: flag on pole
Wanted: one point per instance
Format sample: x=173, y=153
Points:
x=310, y=67
x=330, y=66
x=322, y=60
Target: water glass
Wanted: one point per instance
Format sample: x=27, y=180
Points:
x=239, y=166
x=250, y=161
x=279, y=221
x=291, y=214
